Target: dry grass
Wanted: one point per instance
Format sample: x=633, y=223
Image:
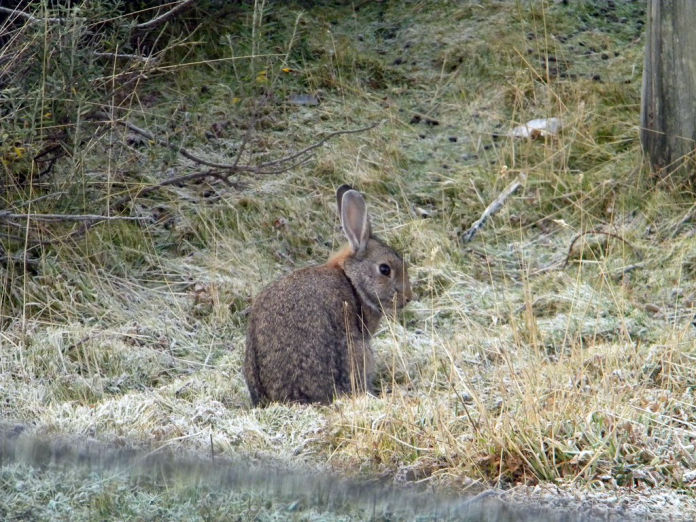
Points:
x=511, y=367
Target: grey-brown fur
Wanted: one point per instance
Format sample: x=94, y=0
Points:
x=309, y=332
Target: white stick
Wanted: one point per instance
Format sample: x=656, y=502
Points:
x=494, y=207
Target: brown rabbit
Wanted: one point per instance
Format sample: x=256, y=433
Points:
x=309, y=332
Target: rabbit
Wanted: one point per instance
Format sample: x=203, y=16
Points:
x=308, y=339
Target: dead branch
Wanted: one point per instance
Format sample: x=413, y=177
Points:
x=164, y=17
x=245, y=139
x=473, y=423
x=235, y=167
x=5, y=215
x=175, y=181
x=285, y=168
x=173, y=146
x=41, y=198
x=494, y=207
x=582, y=234
x=315, y=145
x=198, y=175
x=18, y=260
x=28, y=17
x=685, y=219
x=223, y=171
x=29, y=245
x=621, y=272
x=124, y=56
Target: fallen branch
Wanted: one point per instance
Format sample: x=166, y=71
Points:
x=284, y=168
x=245, y=140
x=493, y=208
x=223, y=171
x=41, y=198
x=317, y=144
x=28, y=245
x=124, y=56
x=617, y=274
x=173, y=146
x=685, y=219
x=224, y=177
x=582, y=234
x=6, y=216
x=199, y=175
x=163, y=18
x=30, y=18
x=235, y=167
x=18, y=260
x=174, y=181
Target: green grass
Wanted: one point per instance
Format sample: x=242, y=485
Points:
x=511, y=367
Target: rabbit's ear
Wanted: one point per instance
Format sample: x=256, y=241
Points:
x=356, y=223
x=339, y=196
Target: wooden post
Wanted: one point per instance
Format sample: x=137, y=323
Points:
x=668, y=108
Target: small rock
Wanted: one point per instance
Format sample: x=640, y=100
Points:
x=690, y=476
x=466, y=397
x=652, y=308
x=303, y=99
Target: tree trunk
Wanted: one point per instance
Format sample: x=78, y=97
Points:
x=668, y=109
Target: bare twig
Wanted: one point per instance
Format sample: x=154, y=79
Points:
x=41, y=198
x=582, y=234
x=222, y=171
x=18, y=260
x=122, y=56
x=222, y=176
x=285, y=168
x=617, y=274
x=34, y=243
x=212, y=448
x=556, y=264
x=235, y=166
x=247, y=136
x=6, y=216
x=199, y=175
x=317, y=144
x=685, y=219
x=173, y=146
x=164, y=17
x=473, y=423
x=175, y=181
x=28, y=17
x=493, y=208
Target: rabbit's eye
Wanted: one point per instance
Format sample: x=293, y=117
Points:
x=384, y=269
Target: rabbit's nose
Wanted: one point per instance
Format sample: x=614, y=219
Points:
x=407, y=296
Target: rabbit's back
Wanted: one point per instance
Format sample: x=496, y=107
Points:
x=302, y=329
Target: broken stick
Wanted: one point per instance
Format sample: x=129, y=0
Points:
x=493, y=207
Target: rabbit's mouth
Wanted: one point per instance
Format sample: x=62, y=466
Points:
x=393, y=306
x=387, y=306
